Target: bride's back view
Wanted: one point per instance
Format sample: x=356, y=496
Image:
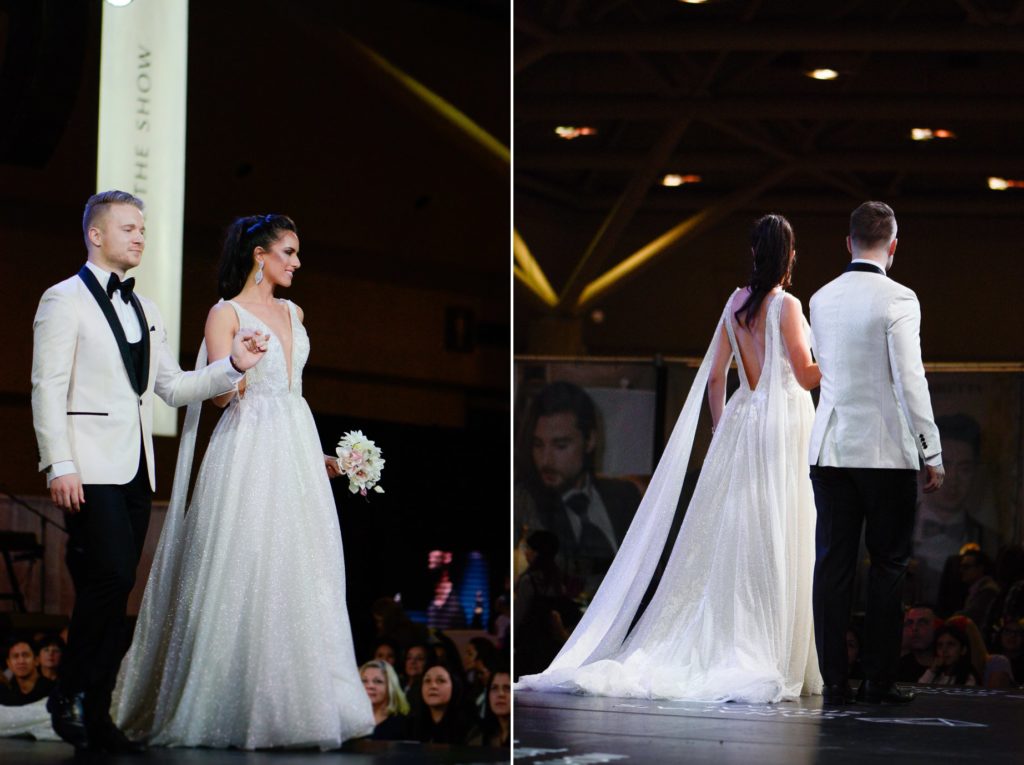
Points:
x=731, y=617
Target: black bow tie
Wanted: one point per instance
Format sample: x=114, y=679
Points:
x=125, y=287
x=579, y=503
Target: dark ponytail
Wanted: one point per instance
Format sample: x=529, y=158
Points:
x=244, y=236
x=771, y=241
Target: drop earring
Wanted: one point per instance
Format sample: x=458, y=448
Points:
x=259, y=274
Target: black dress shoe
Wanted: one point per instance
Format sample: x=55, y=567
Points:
x=871, y=692
x=67, y=715
x=107, y=737
x=837, y=694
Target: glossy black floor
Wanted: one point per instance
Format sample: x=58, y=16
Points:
x=942, y=725
x=23, y=752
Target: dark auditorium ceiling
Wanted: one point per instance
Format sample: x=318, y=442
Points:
x=283, y=115
x=720, y=90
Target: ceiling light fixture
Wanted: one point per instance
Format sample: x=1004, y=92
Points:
x=119, y=3
x=823, y=74
x=569, y=132
x=927, y=134
x=674, y=179
x=1002, y=184
x=693, y=2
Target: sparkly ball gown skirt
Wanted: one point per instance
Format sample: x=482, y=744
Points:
x=243, y=637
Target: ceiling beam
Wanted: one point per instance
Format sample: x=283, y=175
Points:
x=622, y=212
x=788, y=36
x=984, y=204
x=570, y=109
x=930, y=160
x=696, y=224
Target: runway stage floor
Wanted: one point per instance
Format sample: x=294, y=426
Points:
x=25, y=752
x=941, y=725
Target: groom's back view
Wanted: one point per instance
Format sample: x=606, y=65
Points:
x=873, y=429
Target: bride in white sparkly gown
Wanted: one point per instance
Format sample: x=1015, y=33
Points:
x=243, y=638
x=731, y=618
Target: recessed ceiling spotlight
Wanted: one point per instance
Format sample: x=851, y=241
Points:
x=927, y=134
x=1002, y=184
x=568, y=132
x=674, y=179
x=693, y=2
x=119, y=3
x=823, y=74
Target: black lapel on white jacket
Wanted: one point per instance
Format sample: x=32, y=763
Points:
x=107, y=307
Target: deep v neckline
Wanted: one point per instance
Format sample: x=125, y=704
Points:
x=270, y=330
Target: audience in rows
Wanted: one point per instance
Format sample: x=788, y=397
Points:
x=975, y=638
x=423, y=690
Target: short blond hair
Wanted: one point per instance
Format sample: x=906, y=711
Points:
x=98, y=204
x=397, y=703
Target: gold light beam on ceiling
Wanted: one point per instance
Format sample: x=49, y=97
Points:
x=529, y=272
x=444, y=108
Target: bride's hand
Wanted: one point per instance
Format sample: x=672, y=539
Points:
x=247, y=348
x=331, y=463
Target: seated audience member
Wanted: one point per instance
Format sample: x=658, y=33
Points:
x=441, y=718
x=26, y=684
x=1013, y=603
x=502, y=621
x=982, y=589
x=446, y=652
x=1009, y=573
x=415, y=662
x=993, y=670
x=392, y=623
x=51, y=649
x=1010, y=642
x=919, y=627
x=543, y=613
x=390, y=707
x=952, y=663
x=494, y=728
x=479, y=660
x=386, y=650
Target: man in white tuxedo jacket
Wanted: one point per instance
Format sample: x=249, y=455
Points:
x=99, y=355
x=873, y=430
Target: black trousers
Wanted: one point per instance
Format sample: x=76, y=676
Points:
x=882, y=503
x=105, y=541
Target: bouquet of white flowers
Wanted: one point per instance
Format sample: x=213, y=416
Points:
x=359, y=459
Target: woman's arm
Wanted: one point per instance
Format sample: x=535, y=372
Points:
x=221, y=326
x=718, y=376
x=804, y=369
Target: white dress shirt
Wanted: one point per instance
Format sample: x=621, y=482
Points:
x=125, y=312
